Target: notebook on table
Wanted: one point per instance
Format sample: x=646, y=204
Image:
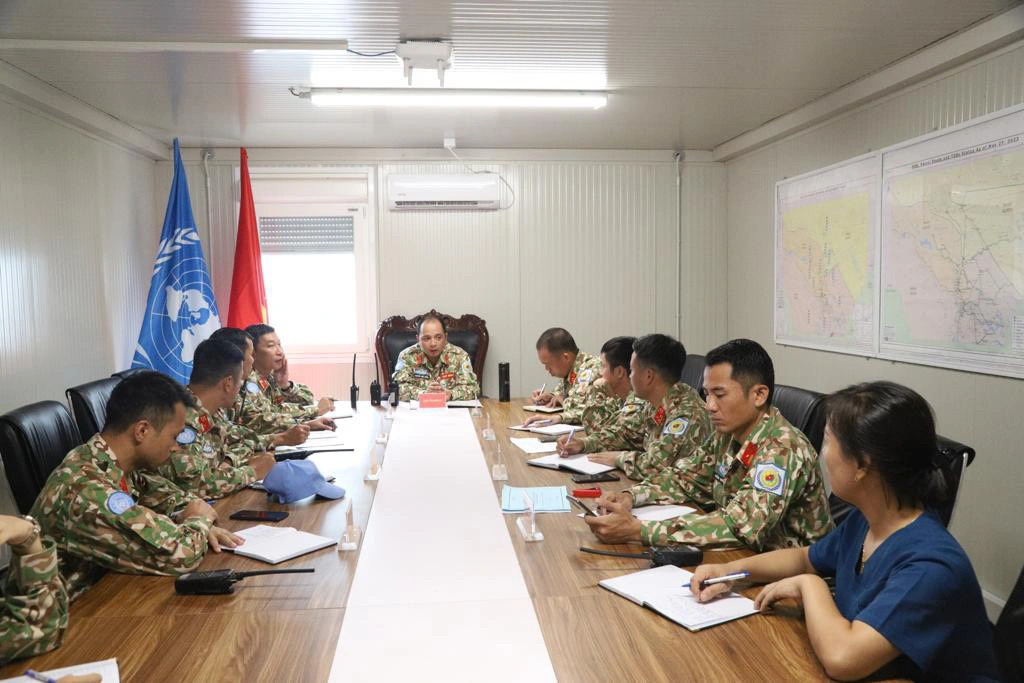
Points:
x=666, y=590
x=276, y=544
x=543, y=409
x=577, y=463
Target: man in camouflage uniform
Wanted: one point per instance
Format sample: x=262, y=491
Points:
x=204, y=464
x=669, y=427
x=758, y=478
x=578, y=373
x=601, y=417
x=34, y=613
x=105, y=506
x=433, y=364
x=270, y=363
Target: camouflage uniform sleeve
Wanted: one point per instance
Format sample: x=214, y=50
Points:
x=259, y=415
x=299, y=394
x=203, y=476
x=160, y=494
x=34, y=614
x=672, y=445
x=465, y=386
x=410, y=385
x=137, y=541
x=690, y=480
x=297, y=412
x=622, y=432
x=241, y=443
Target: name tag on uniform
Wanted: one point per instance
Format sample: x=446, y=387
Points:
x=676, y=427
x=420, y=372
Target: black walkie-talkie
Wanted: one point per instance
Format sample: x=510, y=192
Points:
x=375, y=385
x=353, y=392
x=220, y=581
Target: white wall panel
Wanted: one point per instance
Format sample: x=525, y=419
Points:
x=76, y=250
x=979, y=410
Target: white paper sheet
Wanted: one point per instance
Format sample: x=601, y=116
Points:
x=657, y=513
x=106, y=668
x=533, y=445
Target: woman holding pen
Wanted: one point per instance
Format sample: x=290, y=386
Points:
x=906, y=597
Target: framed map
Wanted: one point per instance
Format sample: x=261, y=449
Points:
x=952, y=249
x=826, y=227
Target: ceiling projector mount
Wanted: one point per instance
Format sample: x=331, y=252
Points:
x=424, y=54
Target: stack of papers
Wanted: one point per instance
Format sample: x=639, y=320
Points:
x=276, y=544
x=545, y=499
x=534, y=445
x=666, y=590
x=576, y=463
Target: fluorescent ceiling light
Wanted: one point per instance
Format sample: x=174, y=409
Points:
x=445, y=97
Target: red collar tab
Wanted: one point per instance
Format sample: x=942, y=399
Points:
x=124, y=485
x=263, y=383
x=572, y=378
x=748, y=454
x=204, y=422
x=659, y=416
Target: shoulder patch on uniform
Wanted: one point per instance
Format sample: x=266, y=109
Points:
x=586, y=376
x=676, y=427
x=630, y=408
x=207, y=448
x=119, y=502
x=252, y=387
x=721, y=470
x=770, y=478
x=187, y=436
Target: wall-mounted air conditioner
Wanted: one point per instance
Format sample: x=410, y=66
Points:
x=419, y=192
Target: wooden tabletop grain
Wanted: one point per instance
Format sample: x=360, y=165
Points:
x=285, y=628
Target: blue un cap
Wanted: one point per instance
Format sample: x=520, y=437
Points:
x=294, y=480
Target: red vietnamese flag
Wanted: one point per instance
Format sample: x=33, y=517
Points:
x=248, y=304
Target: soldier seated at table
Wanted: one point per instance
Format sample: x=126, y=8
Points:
x=243, y=436
x=907, y=603
x=105, y=506
x=433, y=364
x=577, y=373
x=204, y=464
x=667, y=424
x=270, y=364
x=34, y=613
x=757, y=478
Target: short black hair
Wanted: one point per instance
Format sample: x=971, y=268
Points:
x=663, y=354
x=428, y=317
x=240, y=338
x=258, y=330
x=213, y=360
x=750, y=363
x=891, y=429
x=147, y=395
x=618, y=351
x=557, y=340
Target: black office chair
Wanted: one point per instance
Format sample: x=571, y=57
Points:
x=955, y=457
x=693, y=372
x=1009, y=634
x=33, y=440
x=127, y=373
x=89, y=404
x=397, y=333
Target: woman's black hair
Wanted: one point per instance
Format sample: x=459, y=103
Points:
x=891, y=429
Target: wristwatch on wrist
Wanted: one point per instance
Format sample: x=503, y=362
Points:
x=22, y=547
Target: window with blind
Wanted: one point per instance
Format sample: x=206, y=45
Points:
x=317, y=263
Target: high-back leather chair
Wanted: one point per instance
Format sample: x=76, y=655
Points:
x=127, y=373
x=397, y=333
x=955, y=457
x=89, y=404
x=1009, y=634
x=693, y=372
x=33, y=440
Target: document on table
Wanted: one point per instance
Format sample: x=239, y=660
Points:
x=576, y=463
x=666, y=590
x=545, y=499
x=556, y=430
x=658, y=513
x=534, y=445
x=339, y=413
x=277, y=544
x=543, y=409
x=106, y=668
x=471, y=403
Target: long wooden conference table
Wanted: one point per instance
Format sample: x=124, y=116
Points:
x=432, y=592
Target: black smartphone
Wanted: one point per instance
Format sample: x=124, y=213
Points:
x=582, y=506
x=594, y=478
x=259, y=515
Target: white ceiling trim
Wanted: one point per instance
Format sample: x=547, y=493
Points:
x=985, y=37
x=27, y=89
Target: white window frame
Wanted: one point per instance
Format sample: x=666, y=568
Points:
x=365, y=234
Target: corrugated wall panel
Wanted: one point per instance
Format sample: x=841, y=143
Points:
x=979, y=410
x=76, y=250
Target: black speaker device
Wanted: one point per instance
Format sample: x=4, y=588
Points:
x=504, y=389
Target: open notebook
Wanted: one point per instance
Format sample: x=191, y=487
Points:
x=276, y=544
x=543, y=409
x=666, y=590
x=577, y=463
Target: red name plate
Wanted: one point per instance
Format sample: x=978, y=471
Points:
x=434, y=399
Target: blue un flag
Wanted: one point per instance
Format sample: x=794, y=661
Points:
x=180, y=310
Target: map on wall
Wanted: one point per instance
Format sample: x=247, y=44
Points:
x=825, y=270
x=952, y=249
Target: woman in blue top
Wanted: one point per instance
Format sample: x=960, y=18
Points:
x=906, y=597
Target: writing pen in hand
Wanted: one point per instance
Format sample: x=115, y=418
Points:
x=562, y=451
x=738, y=576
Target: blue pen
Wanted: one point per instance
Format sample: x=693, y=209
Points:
x=36, y=676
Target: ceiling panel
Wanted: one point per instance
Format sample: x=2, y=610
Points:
x=685, y=73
